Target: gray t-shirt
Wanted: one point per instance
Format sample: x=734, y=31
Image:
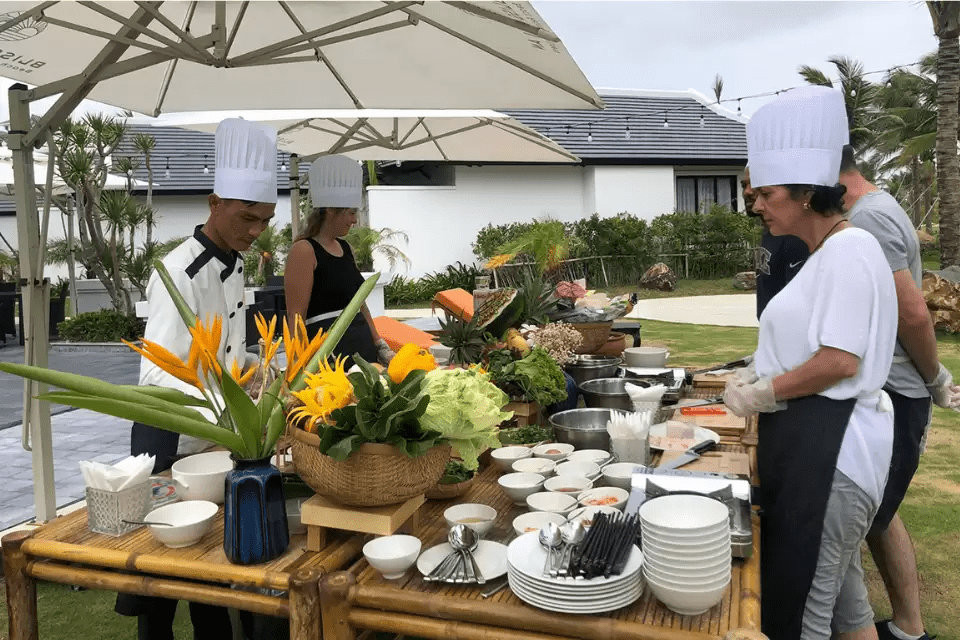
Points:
x=879, y=213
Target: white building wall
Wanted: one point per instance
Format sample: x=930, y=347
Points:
x=442, y=222
x=645, y=192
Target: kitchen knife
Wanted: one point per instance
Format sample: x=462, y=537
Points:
x=742, y=362
x=701, y=403
x=688, y=456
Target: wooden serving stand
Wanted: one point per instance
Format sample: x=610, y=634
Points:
x=526, y=413
x=319, y=514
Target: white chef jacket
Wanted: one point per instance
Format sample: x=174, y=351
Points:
x=211, y=282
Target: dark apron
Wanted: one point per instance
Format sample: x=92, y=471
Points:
x=356, y=339
x=796, y=459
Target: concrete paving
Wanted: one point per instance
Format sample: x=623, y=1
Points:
x=85, y=435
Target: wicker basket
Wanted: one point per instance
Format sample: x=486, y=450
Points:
x=595, y=335
x=373, y=476
x=447, y=491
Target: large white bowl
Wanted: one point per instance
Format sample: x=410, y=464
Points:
x=684, y=513
x=597, y=456
x=552, y=502
x=703, y=574
x=392, y=555
x=692, y=544
x=682, y=584
x=645, y=356
x=504, y=457
x=619, y=474
x=543, y=466
x=578, y=468
x=536, y=520
x=679, y=556
x=201, y=476
x=571, y=485
x=601, y=496
x=191, y=521
x=688, y=602
x=562, y=450
x=520, y=485
x=478, y=517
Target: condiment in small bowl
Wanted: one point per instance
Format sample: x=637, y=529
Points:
x=586, y=515
x=555, y=451
x=570, y=485
x=478, y=517
x=543, y=466
x=605, y=497
x=535, y=520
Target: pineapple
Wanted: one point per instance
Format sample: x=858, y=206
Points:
x=465, y=339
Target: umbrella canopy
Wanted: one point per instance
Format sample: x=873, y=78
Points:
x=384, y=134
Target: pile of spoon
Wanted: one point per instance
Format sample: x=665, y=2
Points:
x=567, y=539
x=459, y=565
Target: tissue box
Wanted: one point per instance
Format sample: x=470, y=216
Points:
x=107, y=509
x=635, y=450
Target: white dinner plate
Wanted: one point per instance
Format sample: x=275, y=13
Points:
x=575, y=590
x=699, y=434
x=491, y=557
x=552, y=604
x=526, y=555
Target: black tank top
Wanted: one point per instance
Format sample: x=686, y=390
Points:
x=335, y=280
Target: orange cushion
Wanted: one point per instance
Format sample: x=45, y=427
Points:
x=456, y=302
x=398, y=334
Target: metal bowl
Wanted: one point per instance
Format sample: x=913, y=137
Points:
x=590, y=367
x=583, y=428
x=609, y=393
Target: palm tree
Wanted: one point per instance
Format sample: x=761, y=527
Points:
x=946, y=26
x=144, y=144
x=367, y=243
x=858, y=94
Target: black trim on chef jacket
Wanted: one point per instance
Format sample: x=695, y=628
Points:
x=210, y=250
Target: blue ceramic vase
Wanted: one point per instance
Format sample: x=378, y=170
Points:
x=255, y=517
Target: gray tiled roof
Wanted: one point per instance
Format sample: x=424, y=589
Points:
x=721, y=140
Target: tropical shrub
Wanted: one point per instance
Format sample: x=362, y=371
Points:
x=106, y=325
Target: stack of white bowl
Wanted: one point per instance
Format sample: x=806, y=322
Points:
x=686, y=551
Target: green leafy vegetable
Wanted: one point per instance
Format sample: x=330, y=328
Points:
x=456, y=472
x=537, y=376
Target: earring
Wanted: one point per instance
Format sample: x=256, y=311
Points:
x=806, y=205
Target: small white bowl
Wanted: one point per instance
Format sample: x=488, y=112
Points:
x=191, y=521
x=646, y=357
x=520, y=485
x=478, y=517
x=597, y=456
x=535, y=520
x=571, y=485
x=552, y=502
x=201, y=476
x=686, y=601
x=392, y=555
x=585, y=515
x=605, y=497
x=578, y=468
x=619, y=474
x=504, y=457
x=555, y=451
x=543, y=466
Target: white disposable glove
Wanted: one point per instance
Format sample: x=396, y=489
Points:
x=745, y=399
x=747, y=374
x=944, y=393
x=384, y=353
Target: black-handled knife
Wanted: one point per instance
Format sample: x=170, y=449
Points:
x=689, y=455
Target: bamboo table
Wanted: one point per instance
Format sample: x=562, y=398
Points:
x=65, y=551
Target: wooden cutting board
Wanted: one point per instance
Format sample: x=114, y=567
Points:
x=715, y=462
x=725, y=422
x=710, y=381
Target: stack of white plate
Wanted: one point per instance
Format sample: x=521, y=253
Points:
x=526, y=557
x=686, y=549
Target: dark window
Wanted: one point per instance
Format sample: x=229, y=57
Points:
x=416, y=174
x=699, y=193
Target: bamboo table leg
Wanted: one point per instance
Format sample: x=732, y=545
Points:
x=305, y=604
x=21, y=588
x=335, y=605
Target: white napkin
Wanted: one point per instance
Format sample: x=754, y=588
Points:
x=630, y=435
x=129, y=472
x=645, y=398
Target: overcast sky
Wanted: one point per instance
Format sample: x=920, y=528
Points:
x=756, y=46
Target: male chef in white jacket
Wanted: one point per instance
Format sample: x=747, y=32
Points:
x=208, y=271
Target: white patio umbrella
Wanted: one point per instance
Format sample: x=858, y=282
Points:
x=152, y=57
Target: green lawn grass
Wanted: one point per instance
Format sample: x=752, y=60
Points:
x=931, y=510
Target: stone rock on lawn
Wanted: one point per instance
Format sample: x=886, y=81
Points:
x=943, y=301
x=746, y=280
x=659, y=277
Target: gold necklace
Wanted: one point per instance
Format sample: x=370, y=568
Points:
x=841, y=221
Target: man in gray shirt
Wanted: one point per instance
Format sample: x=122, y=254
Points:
x=916, y=375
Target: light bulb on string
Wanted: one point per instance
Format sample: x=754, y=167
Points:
x=167, y=172
x=589, y=133
x=739, y=110
x=568, y=129
x=702, y=120
x=626, y=134
x=666, y=123
x=283, y=164
x=206, y=169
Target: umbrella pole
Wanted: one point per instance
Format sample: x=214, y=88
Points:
x=36, y=292
x=294, y=196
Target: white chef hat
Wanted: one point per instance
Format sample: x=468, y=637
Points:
x=798, y=138
x=335, y=181
x=246, y=161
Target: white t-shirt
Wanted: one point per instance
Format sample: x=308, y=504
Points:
x=843, y=297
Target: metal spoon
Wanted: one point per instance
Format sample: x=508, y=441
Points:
x=465, y=540
x=155, y=524
x=550, y=538
x=573, y=534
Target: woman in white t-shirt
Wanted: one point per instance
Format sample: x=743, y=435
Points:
x=823, y=354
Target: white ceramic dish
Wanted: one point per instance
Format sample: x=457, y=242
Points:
x=702, y=573
x=686, y=602
x=552, y=502
x=619, y=474
x=526, y=556
x=570, y=485
x=645, y=356
x=600, y=497
x=683, y=538
x=571, y=592
x=680, y=556
x=551, y=602
x=520, y=485
x=555, y=451
x=578, y=468
x=585, y=515
x=478, y=517
x=191, y=521
x=597, y=456
x=660, y=442
x=535, y=520
x=504, y=457
x=392, y=555
x=543, y=466
x=687, y=585
x=201, y=476
x=684, y=513
x=491, y=557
